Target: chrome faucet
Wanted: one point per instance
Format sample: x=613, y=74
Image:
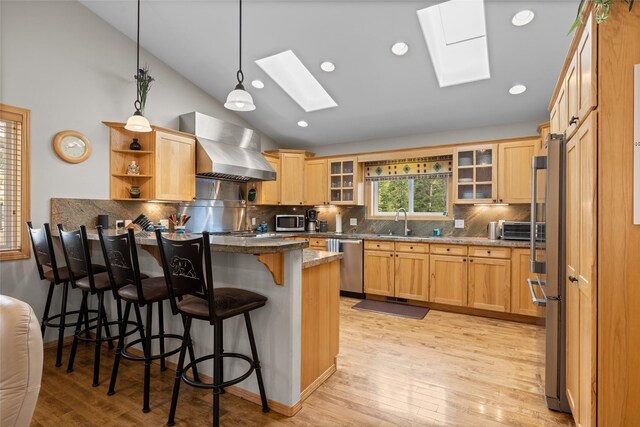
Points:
x=406, y=229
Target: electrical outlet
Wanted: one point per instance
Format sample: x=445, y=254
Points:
x=353, y=221
x=253, y=221
x=459, y=223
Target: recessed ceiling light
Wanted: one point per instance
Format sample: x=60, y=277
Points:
x=257, y=84
x=303, y=124
x=327, y=66
x=517, y=89
x=522, y=18
x=400, y=48
x=294, y=78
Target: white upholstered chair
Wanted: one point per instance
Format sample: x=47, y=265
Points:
x=20, y=362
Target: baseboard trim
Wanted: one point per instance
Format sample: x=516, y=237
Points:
x=280, y=408
x=318, y=382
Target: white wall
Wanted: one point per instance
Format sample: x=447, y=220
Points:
x=423, y=140
x=73, y=70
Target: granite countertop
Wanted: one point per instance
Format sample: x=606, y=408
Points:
x=311, y=258
x=476, y=241
x=232, y=244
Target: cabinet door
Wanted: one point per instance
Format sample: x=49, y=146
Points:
x=489, y=284
x=572, y=96
x=572, y=291
x=514, y=171
x=475, y=174
x=379, y=273
x=315, y=182
x=448, y=284
x=291, y=184
x=412, y=276
x=175, y=167
x=520, y=295
x=587, y=74
x=587, y=230
x=270, y=190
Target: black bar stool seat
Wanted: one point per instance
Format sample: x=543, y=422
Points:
x=101, y=282
x=228, y=302
x=63, y=274
x=154, y=289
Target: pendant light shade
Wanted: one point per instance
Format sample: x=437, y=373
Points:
x=239, y=99
x=137, y=122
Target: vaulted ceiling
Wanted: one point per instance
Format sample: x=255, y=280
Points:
x=379, y=95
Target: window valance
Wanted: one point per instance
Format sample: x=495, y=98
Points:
x=415, y=168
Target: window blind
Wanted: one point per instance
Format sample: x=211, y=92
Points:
x=14, y=191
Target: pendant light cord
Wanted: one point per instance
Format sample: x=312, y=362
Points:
x=137, y=103
x=240, y=74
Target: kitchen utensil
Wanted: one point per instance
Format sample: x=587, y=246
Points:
x=323, y=226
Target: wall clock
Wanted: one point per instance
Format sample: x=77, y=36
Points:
x=71, y=146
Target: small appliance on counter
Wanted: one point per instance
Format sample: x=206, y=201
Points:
x=492, y=230
x=290, y=222
x=312, y=220
x=323, y=226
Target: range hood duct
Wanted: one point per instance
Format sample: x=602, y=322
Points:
x=226, y=151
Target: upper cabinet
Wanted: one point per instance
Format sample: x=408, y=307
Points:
x=514, y=170
x=345, y=181
x=165, y=164
x=269, y=191
x=475, y=173
x=292, y=178
x=315, y=182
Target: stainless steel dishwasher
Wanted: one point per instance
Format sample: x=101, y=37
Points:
x=351, y=271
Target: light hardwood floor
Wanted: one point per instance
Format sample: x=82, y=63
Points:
x=447, y=369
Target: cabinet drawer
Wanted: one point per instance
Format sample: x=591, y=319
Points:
x=489, y=252
x=416, y=248
x=378, y=245
x=318, y=243
x=459, y=250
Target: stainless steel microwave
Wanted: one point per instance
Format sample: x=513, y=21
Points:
x=289, y=222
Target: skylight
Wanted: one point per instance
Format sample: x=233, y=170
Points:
x=297, y=81
x=456, y=35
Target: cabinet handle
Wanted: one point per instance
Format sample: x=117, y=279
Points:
x=396, y=255
x=574, y=279
x=500, y=200
x=494, y=200
x=488, y=252
x=378, y=245
x=448, y=249
x=471, y=260
x=573, y=120
x=410, y=247
x=390, y=254
x=464, y=260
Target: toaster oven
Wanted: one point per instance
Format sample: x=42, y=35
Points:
x=521, y=230
x=289, y=222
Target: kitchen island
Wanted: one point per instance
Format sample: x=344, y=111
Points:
x=296, y=332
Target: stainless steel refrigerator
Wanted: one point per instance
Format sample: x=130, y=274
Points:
x=548, y=243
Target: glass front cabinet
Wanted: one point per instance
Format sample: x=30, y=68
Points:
x=343, y=181
x=475, y=174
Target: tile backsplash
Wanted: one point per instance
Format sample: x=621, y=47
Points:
x=476, y=219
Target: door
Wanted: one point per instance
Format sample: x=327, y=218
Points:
x=572, y=292
x=292, y=174
x=175, y=167
x=489, y=284
x=412, y=276
x=379, y=273
x=514, y=171
x=448, y=284
x=521, y=302
x=270, y=190
x=315, y=182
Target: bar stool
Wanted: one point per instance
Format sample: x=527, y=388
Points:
x=48, y=270
x=192, y=295
x=135, y=288
x=75, y=247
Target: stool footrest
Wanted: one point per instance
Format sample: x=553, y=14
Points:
x=200, y=384
x=48, y=323
x=130, y=356
x=83, y=332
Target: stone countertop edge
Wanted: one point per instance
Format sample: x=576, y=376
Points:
x=472, y=241
x=230, y=244
x=312, y=258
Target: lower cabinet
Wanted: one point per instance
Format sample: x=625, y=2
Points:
x=412, y=276
x=489, y=284
x=379, y=273
x=448, y=283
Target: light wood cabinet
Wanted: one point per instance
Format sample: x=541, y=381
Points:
x=379, y=270
x=571, y=95
x=269, y=191
x=292, y=178
x=475, y=174
x=412, y=276
x=448, y=283
x=489, y=284
x=520, y=294
x=514, y=170
x=587, y=65
x=175, y=166
x=345, y=181
x=315, y=182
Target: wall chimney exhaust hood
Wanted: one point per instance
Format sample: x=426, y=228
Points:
x=225, y=150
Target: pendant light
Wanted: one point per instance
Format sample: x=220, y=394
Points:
x=239, y=99
x=137, y=122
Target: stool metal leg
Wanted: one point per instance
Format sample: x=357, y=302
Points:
x=81, y=317
x=45, y=316
x=147, y=358
x=217, y=371
x=63, y=313
x=96, y=357
x=221, y=333
x=256, y=362
x=116, y=362
x=163, y=365
x=192, y=354
x=178, y=379
x=105, y=324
